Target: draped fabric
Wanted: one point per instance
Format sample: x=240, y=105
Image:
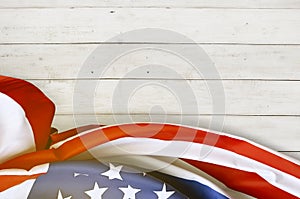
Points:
x=144, y=160
x=25, y=118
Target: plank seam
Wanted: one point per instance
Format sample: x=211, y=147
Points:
x=175, y=114
x=155, y=43
x=155, y=7
x=162, y=79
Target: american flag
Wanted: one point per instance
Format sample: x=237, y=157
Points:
x=146, y=160
x=233, y=167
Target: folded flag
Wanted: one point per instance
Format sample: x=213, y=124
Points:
x=234, y=162
x=25, y=118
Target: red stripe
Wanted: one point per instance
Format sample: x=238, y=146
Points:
x=38, y=108
x=243, y=181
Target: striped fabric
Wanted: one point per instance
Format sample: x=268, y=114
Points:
x=229, y=165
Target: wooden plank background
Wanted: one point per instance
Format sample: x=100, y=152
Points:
x=255, y=46
x=291, y=4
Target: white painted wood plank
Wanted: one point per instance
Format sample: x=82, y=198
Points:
x=295, y=155
x=153, y=3
x=99, y=24
x=231, y=61
x=277, y=132
x=241, y=97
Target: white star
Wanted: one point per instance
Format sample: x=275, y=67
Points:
x=97, y=192
x=164, y=194
x=59, y=195
x=113, y=172
x=129, y=192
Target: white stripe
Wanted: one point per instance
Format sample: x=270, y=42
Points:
x=43, y=168
x=16, y=133
x=232, y=193
x=21, y=190
x=187, y=150
x=194, y=128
